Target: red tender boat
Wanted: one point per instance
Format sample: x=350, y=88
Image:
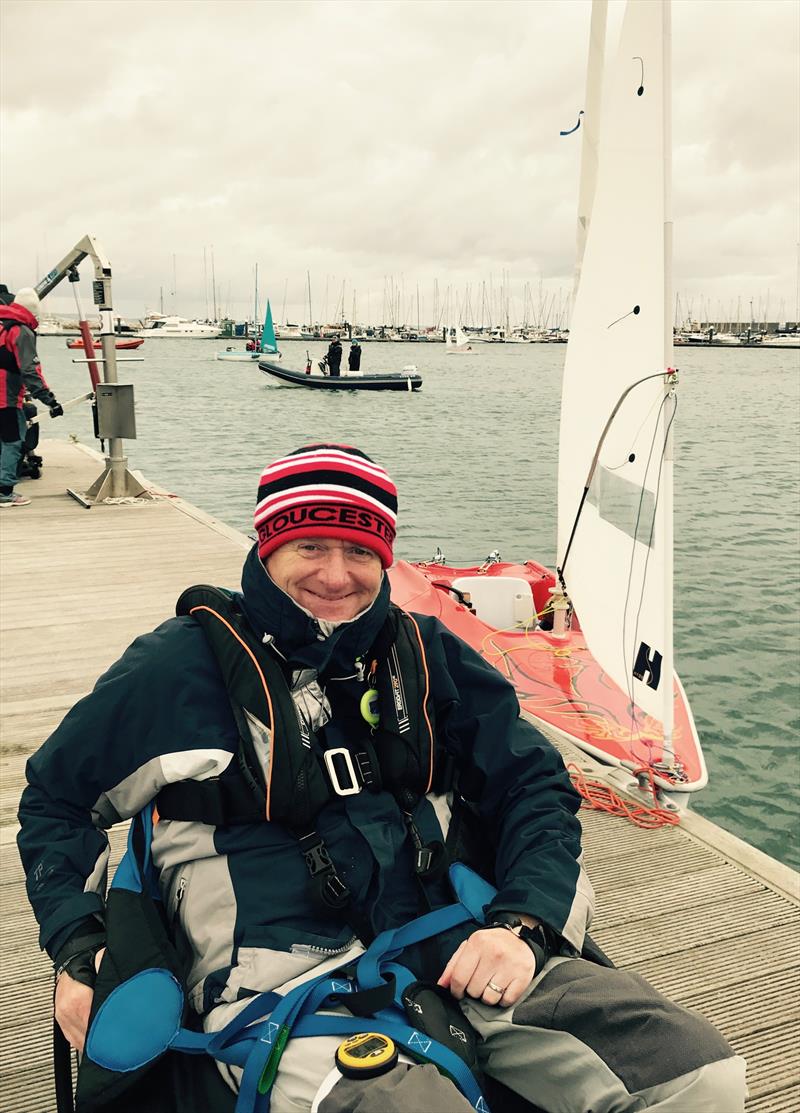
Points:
x=126, y=342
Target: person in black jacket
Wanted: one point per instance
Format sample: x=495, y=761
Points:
x=562, y=1032
x=334, y=357
x=354, y=356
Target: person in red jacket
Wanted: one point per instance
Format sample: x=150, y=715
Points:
x=20, y=371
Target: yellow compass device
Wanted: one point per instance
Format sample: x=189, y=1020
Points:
x=366, y=1055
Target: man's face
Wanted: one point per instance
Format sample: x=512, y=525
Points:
x=334, y=580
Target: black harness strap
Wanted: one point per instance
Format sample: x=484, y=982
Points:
x=220, y=802
x=285, y=781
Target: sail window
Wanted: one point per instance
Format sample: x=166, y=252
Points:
x=624, y=505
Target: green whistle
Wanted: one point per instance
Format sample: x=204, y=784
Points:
x=369, y=707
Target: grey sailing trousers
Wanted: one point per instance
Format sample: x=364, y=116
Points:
x=583, y=1039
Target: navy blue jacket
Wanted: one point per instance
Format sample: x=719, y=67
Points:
x=239, y=894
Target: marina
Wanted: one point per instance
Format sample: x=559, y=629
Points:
x=456, y=338
x=693, y=908
x=597, y=501
x=472, y=481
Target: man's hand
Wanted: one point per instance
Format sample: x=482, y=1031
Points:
x=56, y=410
x=492, y=965
x=73, y=1003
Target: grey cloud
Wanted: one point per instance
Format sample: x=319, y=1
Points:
x=363, y=140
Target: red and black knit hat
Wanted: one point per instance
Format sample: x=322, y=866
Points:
x=327, y=490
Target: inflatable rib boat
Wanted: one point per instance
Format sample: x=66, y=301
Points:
x=390, y=380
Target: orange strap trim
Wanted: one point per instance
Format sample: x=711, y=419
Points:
x=425, y=700
x=252, y=657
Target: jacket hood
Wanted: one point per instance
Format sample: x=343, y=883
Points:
x=297, y=634
x=19, y=314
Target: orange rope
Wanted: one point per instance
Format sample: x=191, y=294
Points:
x=604, y=799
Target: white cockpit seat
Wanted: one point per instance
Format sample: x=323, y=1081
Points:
x=505, y=602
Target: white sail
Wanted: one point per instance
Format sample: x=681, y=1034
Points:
x=619, y=567
x=591, y=128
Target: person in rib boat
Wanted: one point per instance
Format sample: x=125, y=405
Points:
x=350, y=811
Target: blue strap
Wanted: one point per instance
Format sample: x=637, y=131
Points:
x=272, y=1036
x=474, y=894
x=390, y=943
x=232, y=1043
x=418, y=1044
x=132, y=873
x=260, y=1007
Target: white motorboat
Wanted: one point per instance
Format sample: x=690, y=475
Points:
x=157, y=326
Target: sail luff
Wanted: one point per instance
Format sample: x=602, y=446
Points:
x=668, y=411
x=591, y=128
x=613, y=388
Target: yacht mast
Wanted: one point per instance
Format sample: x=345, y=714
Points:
x=670, y=400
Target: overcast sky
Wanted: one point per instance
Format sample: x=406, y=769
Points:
x=375, y=142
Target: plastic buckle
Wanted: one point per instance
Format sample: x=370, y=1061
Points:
x=339, y=761
x=317, y=859
x=334, y=892
x=424, y=859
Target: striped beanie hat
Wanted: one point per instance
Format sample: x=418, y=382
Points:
x=327, y=490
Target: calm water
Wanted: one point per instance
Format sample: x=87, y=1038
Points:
x=474, y=457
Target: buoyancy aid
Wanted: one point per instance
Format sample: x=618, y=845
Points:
x=290, y=780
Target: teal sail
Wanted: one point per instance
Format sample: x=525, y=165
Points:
x=268, y=342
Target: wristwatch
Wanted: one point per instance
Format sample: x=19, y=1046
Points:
x=537, y=938
x=76, y=957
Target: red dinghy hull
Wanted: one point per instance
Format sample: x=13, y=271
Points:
x=557, y=679
x=133, y=342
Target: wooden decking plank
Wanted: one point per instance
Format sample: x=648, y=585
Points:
x=32, y=1090
x=755, y=1009
x=692, y=891
x=651, y=937
x=719, y=964
x=658, y=864
x=780, y=1101
x=772, y=1058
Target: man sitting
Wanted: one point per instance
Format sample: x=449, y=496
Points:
x=422, y=754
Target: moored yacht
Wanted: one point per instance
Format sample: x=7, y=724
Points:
x=181, y=327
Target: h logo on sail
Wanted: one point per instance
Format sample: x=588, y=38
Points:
x=648, y=661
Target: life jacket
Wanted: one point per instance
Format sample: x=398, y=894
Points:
x=12, y=318
x=399, y=753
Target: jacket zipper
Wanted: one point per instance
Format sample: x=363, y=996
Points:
x=308, y=949
x=179, y=897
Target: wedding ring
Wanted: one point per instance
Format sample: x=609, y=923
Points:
x=496, y=988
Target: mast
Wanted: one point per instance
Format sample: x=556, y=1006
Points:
x=255, y=305
x=214, y=284
x=310, y=315
x=670, y=401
